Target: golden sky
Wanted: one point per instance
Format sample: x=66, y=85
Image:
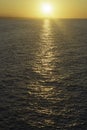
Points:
x=32, y=8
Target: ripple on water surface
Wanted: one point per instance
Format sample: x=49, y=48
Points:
x=43, y=79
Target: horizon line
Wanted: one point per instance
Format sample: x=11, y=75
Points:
x=12, y=17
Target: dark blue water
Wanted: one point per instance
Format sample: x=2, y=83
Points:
x=43, y=74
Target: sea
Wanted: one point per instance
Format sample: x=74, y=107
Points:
x=43, y=74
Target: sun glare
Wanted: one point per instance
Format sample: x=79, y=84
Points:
x=47, y=9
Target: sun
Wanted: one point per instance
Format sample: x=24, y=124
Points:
x=47, y=9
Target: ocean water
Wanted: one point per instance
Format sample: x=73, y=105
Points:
x=43, y=74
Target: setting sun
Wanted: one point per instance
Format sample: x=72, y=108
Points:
x=47, y=9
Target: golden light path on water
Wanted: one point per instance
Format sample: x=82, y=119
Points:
x=47, y=54
x=41, y=89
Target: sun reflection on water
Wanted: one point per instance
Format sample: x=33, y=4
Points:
x=40, y=91
x=46, y=54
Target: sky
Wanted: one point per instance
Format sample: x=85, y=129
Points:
x=32, y=8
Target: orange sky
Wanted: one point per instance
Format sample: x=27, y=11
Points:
x=32, y=8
